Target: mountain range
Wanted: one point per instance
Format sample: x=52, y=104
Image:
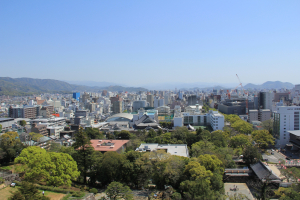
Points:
x=29, y=86
x=270, y=85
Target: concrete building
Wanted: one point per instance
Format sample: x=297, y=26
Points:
x=253, y=115
x=150, y=100
x=83, y=113
x=173, y=149
x=39, y=128
x=117, y=107
x=136, y=105
x=280, y=96
x=216, y=120
x=7, y=123
x=30, y=112
x=265, y=100
x=235, y=106
x=45, y=113
x=286, y=118
x=264, y=114
x=192, y=100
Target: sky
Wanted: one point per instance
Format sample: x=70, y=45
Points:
x=151, y=42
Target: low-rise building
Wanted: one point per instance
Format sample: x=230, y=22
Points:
x=103, y=146
x=173, y=149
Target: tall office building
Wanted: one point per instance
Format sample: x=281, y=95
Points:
x=76, y=95
x=265, y=100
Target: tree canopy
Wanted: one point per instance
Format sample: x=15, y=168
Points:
x=116, y=190
x=54, y=168
x=262, y=138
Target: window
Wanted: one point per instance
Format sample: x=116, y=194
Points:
x=284, y=134
x=284, y=138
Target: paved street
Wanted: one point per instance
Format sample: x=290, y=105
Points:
x=273, y=158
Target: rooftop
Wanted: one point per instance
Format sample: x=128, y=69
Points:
x=297, y=132
x=108, y=145
x=173, y=149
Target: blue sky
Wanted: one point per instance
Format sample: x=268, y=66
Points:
x=145, y=42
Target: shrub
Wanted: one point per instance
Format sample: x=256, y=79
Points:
x=94, y=190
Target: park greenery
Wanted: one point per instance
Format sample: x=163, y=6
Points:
x=196, y=177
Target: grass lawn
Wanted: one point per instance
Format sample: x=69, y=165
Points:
x=5, y=193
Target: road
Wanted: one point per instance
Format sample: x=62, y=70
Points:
x=273, y=158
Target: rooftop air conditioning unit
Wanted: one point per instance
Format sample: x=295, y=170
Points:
x=112, y=146
x=100, y=140
x=98, y=144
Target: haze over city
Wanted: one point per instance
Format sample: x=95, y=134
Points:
x=141, y=43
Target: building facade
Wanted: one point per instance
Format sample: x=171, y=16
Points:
x=286, y=118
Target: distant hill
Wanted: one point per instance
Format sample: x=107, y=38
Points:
x=29, y=86
x=270, y=85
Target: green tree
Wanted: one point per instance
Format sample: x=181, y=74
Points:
x=0, y=128
x=198, y=189
x=35, y=136
x=38, y=165
x=262, y=138
x=202, y=147
x=124, y=135
x=251, y=155
x=152, y=133
x=268, y=125
x=10, y=145
x=242, y=126
x=84, y=155
x=116, y=190
x=219, y=138
x=94, y=133
x=23, y=123
x=65, y=169
x=180, y=133
x=191, y=138
x=212, y=163
x=205, y=135
x=240, y=140
x=27, y=191
x=112, y=167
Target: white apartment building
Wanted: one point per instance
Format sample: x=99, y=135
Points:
x=213, y=118
x=216, y=120
x=286, y=118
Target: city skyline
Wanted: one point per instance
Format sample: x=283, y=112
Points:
x=141, y=43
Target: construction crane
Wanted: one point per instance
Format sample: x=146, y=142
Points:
x=244, y=93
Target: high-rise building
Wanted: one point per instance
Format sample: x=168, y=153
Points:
x=265, y=100
x=76, y=95
x=150, y=100
x=192, y=100
x=117, y=107
x=30, y=112
x=136, y=105
x=286, y=118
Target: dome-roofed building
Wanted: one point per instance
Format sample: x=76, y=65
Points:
x=120, y=117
